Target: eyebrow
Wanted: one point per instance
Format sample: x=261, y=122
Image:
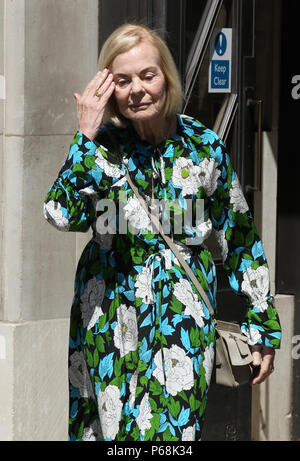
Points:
x=143, y=71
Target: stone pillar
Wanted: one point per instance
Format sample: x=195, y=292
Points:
x=49, y=50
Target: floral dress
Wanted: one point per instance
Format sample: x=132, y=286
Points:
x=141, y=338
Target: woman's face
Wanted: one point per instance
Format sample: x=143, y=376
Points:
x=140, y=89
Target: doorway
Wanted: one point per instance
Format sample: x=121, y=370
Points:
x=188, y=26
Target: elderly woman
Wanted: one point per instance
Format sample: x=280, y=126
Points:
x=141, y=337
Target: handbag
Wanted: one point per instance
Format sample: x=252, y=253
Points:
x=233, y=355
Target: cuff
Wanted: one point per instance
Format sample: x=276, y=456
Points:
x=263, y=328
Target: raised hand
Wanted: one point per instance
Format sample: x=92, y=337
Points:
x=91, y=104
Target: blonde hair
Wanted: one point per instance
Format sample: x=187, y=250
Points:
x=123, y=39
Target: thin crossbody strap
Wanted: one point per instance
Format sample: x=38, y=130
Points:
x=159, y=229
x=171, y=245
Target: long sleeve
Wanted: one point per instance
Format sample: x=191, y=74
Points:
x=68, y=205
x=241, y=248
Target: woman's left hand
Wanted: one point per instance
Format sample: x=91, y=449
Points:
x=263, y=357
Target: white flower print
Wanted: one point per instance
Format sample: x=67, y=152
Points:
x=208, y=362
x=120, y=182
x=125, y=332
x=184, y=293
x=256, y=285
x=143, y=288
x=53, y=213
x=109, y=169
x=92, y=433
x=132, y=388
x=143, y=419
x=209, y=174
x=79, y=375
x=205, y=228
x=110, y=409
x=189, y=434
x=253, y=335
x=91, y=301
x=237, y=197
x=220, y=236
x=186, y=175
x=136, y=215
x=88, y=435
x=178, y=369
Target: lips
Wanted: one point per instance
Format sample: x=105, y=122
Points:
x=139, y=106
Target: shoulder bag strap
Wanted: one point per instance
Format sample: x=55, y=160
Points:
x=171, y=244
x=159, y=229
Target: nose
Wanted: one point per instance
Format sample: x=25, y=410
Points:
x=136, y=86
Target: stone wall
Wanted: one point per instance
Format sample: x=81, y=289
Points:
x=49, y=50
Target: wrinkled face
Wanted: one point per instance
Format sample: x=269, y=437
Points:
x=140, y=90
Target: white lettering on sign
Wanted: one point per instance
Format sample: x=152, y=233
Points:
x=219, y=81
x=221, y=69
x=296, y=88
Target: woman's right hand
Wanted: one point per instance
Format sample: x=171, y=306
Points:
x=90, y=108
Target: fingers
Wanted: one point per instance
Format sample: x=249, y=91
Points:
x=256, y=355
x=105, y=90
x=90, y=108
x=264, y=359
x=100, y=82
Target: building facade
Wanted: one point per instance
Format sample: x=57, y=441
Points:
x=49, y=50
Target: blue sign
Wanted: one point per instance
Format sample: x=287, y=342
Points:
x=219, y=80
x=220, y=44
x=219, y=74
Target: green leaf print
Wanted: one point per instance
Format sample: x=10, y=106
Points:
x=77, y=168
x=255, y=265
x=118, y=366
x=233, y=261
x=102, y=321
x=153, y=404
x=144, y=381
x=89, y=338
x=249, y=238
x=176, y=305
x=168, y=173
x=195, y=337
x=238, y=238
x=202, y=381
x=103, y=152
x=90, y=359
x=272, y=324
x=142, y=183
x=182, y=394
x=135, y=434
x=155, y=387
x=174, y=407
x=89, y=162
x=75, y=139
x=202, y=279
x=96, y=358
x=241, y=219
x=194, y=404
x=228, y=233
